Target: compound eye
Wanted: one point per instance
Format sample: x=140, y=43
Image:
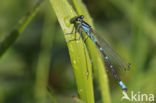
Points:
x=78, y=19
x=81, y=16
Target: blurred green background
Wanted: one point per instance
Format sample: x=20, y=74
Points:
x=41, y=51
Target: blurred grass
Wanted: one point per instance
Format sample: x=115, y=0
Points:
x=43, y=64
x=12, y=36
x=30, y=63
x=137, y=16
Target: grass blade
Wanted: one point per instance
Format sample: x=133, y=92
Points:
x=78, y=53
x=19, y=28
x=98, y=64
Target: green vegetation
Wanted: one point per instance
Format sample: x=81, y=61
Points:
x=39, y=62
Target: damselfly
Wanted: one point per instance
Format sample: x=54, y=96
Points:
x=82, y=25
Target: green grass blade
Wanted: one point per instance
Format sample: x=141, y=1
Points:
x=98, y=64
x=78, y=53
x=19, y=28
